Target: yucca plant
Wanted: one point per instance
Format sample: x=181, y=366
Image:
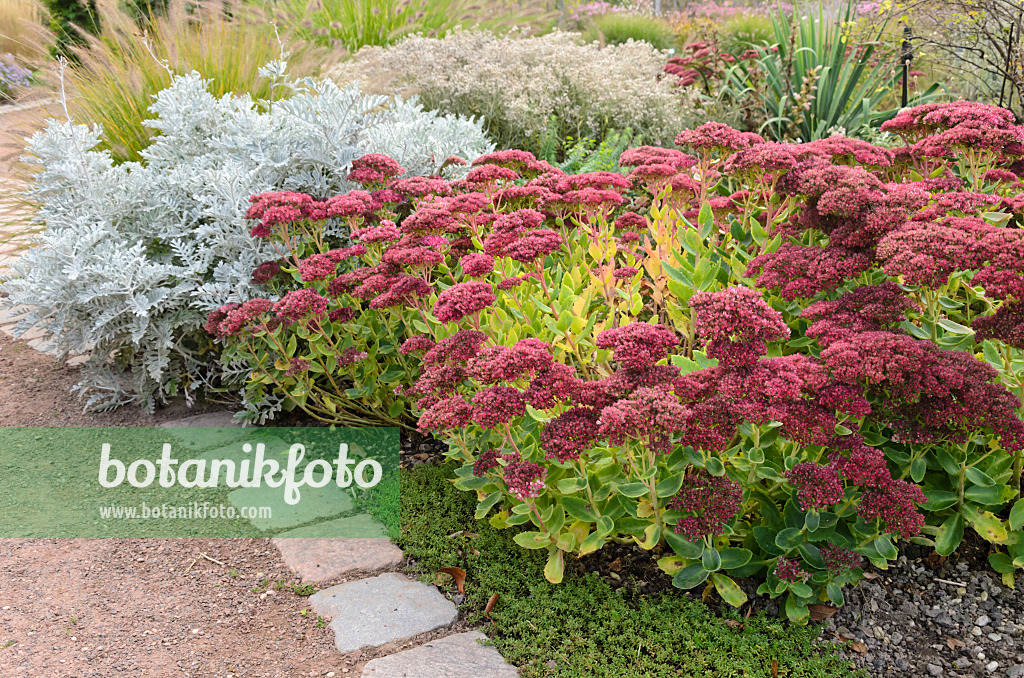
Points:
x=117, y=75
x=813, y=80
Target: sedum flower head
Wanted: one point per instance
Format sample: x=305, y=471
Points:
x=717, y=136
x=463, y=299
x=299, y=304
x=452, y=413
x=374, y=168
x=498, y=405
x=839, y=560
x=570, y=434
x=638, y=344
x=524, y=479
x=790, y=570
x=736, y=323
x=711, y=502
x=817, y=487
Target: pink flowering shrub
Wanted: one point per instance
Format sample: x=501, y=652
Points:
x=764, y=359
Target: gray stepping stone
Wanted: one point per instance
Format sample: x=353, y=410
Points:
x=236, y=454
x=379, y=610
x=321, y=559
x=314, y=502
x=205, y=431
x=458, y=656
x=209, y=419
x=361, y=526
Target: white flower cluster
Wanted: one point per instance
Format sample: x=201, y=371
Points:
x=132, y=257
x=518, y=84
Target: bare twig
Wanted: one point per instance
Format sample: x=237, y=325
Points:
x=212, y=560
x=951, y=583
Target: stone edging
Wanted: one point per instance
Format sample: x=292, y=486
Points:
x=374, y=611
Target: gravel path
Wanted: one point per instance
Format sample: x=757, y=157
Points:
x=136, y=607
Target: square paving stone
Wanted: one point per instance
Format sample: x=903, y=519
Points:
x=314, y=502
x=458, y=656
x=235, y=453
x=318, y=559
x=372, y=612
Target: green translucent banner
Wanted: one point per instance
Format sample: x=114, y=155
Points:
x=199, y=482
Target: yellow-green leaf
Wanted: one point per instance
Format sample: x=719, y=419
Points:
x=986, y=524
x=728, y=589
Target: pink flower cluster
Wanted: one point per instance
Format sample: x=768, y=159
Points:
x=374, y=169
x=300, y=304
x=570, y=434
x=524, y=479
x=232, y=318
x=280, y=208
x=790, y=570
x=1005, y=325
x=716, y=136
x=914, y=123
x=638, y=344
x=711, y=503
x=463, y=299
x=839, y=560
x=817, y=487
x=736, y=323
x=863, y=309
x=652, y=415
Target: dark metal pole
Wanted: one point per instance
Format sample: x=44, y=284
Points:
x=1006, y=70
x=906, y=55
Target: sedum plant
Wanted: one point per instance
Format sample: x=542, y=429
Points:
x=132, y=257
x=763, y=359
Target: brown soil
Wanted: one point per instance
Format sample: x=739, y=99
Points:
x=155, y=607
x=141, y=607
x=35, y=390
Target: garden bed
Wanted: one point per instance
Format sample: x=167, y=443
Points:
x=903, y=620
x=921, y=621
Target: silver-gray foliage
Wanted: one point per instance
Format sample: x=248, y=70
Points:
x=132, y=257
x=426, y=140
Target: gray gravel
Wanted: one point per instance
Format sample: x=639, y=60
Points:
x=908, y=623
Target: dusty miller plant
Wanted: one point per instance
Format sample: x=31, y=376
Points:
x=130, y=258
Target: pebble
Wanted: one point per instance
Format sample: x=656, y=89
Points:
x=991, y=666
x=915, y=628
